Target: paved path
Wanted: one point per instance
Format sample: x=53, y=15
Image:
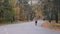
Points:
x=26, y=28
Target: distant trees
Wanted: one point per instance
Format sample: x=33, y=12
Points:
x=26, y=12
x=56, y=9
x=50, y=9
x=6, y=11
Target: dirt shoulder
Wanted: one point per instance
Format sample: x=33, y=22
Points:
x=51, y=26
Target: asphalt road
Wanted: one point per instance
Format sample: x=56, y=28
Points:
x=26, y=28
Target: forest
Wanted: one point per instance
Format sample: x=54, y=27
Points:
x=27, y=10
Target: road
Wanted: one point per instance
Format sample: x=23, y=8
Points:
x=26, y=28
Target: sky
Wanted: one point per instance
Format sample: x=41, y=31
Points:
x=33, y=2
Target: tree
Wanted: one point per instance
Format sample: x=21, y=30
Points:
x=56, y=9
x=26, y=10
x=6, y=7
x=51, y=9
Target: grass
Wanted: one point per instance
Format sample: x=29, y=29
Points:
x=15, y=22
x=56, y=25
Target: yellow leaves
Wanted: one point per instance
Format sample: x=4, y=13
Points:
x=16, y=10
x=58, y=25
x=38, y=12
x=13, y=2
